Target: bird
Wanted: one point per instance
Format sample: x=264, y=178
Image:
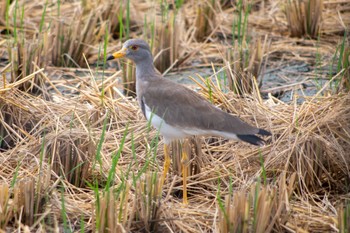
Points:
x=178, y=112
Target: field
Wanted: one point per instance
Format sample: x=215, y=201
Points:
x=77, y=155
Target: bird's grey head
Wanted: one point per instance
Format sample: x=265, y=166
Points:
x=136, y=50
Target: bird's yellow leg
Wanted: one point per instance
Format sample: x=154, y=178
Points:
x=166, y=164
x=184, y=164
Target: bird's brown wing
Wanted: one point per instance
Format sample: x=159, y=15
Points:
x=182, y=107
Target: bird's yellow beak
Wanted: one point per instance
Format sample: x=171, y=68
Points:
x=121, y=53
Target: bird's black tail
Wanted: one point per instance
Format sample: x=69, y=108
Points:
x=255, y=140
x=264, y=132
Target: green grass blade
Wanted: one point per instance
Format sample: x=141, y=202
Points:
x=100, y=143
x=64, y=212
x=127, y=19
x=43, y=18
x=262, y=164
x=115, y=160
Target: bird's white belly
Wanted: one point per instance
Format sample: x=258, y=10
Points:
x=169, y=132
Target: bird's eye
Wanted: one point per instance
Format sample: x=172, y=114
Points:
x=134, y=47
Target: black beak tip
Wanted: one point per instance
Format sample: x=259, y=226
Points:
x=110, y=57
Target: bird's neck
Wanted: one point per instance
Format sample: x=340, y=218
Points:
x=145, y=69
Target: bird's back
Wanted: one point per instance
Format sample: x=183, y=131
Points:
x=182, y=107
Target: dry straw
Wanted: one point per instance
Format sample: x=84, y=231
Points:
x=311, y=141
x=304, y=17
x=73, y=159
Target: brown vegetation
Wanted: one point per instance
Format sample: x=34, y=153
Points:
x=76, y=153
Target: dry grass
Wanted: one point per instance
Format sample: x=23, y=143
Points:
x=261, y=210
x=76, y=158
x=310, y=141
x=304, y=17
